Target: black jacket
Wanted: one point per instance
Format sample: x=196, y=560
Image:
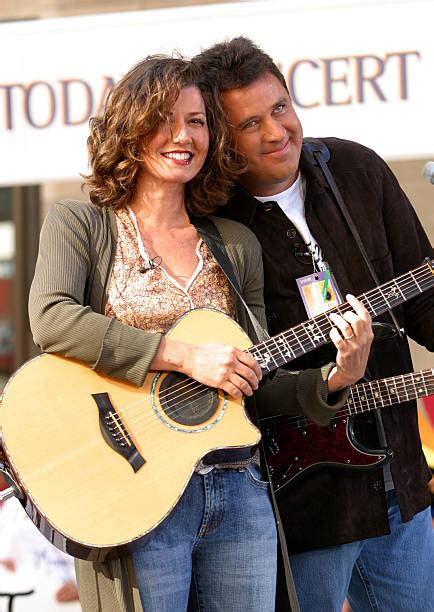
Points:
x=334, y=506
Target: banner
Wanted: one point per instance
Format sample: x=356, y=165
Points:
x=362, y=72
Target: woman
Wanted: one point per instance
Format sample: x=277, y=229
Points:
x=113, y=276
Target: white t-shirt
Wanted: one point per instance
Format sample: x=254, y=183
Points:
x=291, y=201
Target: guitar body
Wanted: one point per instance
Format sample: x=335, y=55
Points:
x=65, y=427
x=295, y=448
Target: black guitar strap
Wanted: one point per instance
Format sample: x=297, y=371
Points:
x=214, y=242
x=211, y=237
x=318, y=154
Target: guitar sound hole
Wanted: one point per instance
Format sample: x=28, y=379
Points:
x=186, y=401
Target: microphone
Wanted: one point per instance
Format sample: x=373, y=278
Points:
x=153, y=263
x=428, y=172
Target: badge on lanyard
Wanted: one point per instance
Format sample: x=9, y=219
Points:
x=318, y=292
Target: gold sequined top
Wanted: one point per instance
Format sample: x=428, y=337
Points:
x=148, y=297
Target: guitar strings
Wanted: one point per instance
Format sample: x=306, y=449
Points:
x=428, y=376
x=193, y=385
x=201, y=389
x=369, y=396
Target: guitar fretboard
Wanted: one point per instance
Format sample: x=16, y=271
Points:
x=388, y=391
x=311, y=334
x=381, y=393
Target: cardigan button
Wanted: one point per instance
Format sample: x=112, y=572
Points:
x=291, y=233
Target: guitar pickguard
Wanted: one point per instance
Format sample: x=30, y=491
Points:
x=295, y=448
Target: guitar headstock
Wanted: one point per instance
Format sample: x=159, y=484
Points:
x=430, y=263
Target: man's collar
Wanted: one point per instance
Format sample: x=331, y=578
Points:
x=241, y=205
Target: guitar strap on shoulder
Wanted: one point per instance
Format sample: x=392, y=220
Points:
x=318, y=154
x=214, y=242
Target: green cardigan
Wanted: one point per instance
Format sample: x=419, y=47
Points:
x=67, y=299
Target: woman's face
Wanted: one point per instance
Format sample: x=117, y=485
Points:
x=177, y=150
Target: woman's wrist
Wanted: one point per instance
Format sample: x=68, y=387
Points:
x=172, y=355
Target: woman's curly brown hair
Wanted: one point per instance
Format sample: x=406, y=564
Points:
x=134, y=109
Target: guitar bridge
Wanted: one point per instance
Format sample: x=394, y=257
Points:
x=115, y=433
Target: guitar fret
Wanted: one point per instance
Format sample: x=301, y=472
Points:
x=413, y=380
x=391, y=293
x=378, y=397
x=403, y=378
x=298, y=340
x=431, y=386
x=421, y=384
x=413, y=277
x=320, y=331
x=364, y=403
x=263, y=358
x=287, y=347
x=370, y=308
x=276, y=344
x=352, y=408
x=399, y=289
x=386, y=387
x=324, y=325
x=337, y=308
x=309, y=327
x=421, y=391
x=350, y=400
x=394, y=395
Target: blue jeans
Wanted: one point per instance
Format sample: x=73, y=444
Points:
x=216, y=551
x=392, y=573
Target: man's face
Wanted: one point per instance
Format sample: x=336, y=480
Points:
x=266, y=130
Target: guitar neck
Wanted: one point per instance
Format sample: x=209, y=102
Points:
x=388, y=391
x=305, y=337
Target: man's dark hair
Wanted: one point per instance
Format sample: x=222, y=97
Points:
x=236, y=63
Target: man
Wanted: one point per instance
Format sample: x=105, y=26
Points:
x=366, y=532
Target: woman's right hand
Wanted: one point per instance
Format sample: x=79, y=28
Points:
x=224, y=367
x=215, y=365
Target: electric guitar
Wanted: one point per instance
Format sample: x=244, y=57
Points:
x=295, y=446
x=100, y=463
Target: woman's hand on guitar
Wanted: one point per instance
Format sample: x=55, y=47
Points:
x=352, y=336
x=215, y=365
x=224, y=367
